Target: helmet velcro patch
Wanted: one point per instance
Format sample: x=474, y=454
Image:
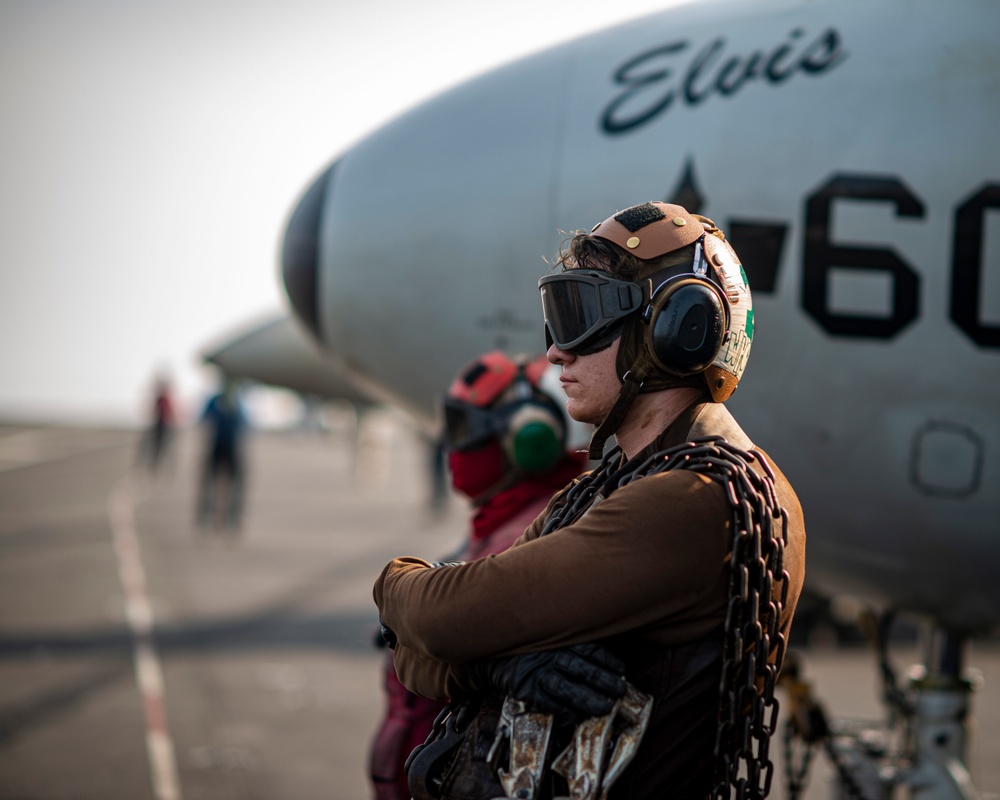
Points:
x=639, y=216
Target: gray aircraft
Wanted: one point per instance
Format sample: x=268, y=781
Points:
x=278, y=352
x=848, y=148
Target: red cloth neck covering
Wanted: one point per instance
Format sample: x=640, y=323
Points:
x=506, y=504
x=474, y=472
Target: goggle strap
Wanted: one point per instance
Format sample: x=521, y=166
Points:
x=620, y=298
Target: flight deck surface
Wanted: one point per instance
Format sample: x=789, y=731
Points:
x=143, y=657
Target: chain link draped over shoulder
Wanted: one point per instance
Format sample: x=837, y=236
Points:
x=754, y=645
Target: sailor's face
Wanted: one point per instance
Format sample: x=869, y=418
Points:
x=590, y=381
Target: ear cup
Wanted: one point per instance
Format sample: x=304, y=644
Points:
x=535, y=439
x=687, y=326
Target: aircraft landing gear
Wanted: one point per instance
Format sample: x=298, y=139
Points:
x=920, y=746
x=940, y=700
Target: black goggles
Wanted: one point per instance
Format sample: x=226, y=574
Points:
x=585, y=309
x=467, y=427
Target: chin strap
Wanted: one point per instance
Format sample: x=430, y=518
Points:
x=631, y=386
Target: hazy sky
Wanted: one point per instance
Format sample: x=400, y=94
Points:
x=151, y=151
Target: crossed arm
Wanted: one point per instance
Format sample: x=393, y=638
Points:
x=650, y=557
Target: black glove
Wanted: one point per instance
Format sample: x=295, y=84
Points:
x=573, y=683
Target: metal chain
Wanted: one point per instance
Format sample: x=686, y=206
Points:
x=843, y=771
x=809, y=725
x=796, y=776
x=748, y=709
x=581, y=494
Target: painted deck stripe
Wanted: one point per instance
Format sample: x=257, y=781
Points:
x=139, y=613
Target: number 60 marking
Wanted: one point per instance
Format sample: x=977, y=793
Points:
x=821, y=256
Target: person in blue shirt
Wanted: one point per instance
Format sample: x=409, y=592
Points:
x=220, y=495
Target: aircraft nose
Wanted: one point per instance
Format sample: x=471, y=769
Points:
x=300, y=253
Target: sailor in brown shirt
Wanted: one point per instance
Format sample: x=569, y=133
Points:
x=629, y=571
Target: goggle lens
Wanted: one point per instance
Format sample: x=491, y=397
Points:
x=466, y=427
x=571, y=309
x=581, y=306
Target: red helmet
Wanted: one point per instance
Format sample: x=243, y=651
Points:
x=499, y=397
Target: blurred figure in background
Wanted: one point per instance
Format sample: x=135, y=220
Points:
x=223, y=475
x=156, y=442
x=505, y=442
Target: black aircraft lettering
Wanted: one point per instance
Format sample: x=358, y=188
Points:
x=652, y=84
x=761, y=244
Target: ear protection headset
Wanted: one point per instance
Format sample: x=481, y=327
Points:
x=686, y=321
x=535, y=439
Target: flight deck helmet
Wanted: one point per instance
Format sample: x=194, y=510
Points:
x=671, y=286
x=499, y=398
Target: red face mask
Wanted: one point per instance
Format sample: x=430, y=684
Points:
x=473, y=472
